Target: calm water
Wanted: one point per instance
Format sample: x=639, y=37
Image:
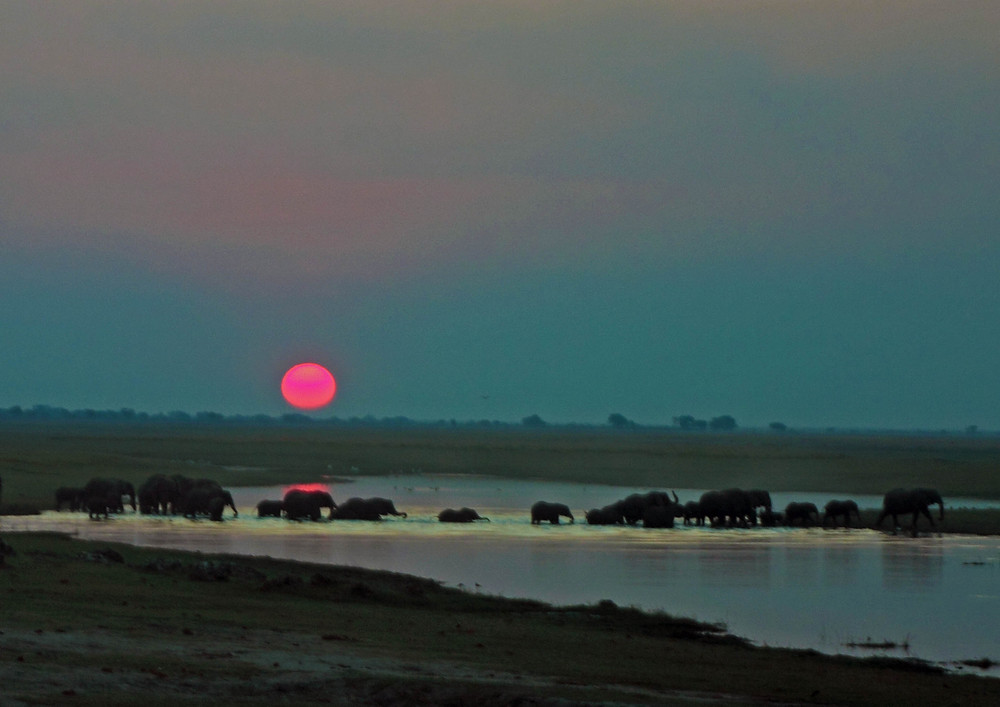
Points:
x=807, y=588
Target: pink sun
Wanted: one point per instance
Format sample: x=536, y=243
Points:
x=308, y=386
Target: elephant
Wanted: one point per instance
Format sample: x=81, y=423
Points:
x=760, y=499
x=208, y=500
x=545, y=511
x=634, y=506
x=916, y=501
x=158, y=494
x=359, y=509
x=728, y=507
x=801, y=512
x=111, y=491
x=658, y=517
x=835, y=509
x=217, y=505
x=125, y=488
x=185, y=485
x=693, y=512
x=462, y=515
x=771, y=519
x=98, y=504
x=270, y=509
x=70, y=495
x=606, y=515
x=300, y=504
x=384, y=506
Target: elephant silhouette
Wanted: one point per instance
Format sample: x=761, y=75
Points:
x=801, y=513
x=835, y=509
x=916, y=501
x=543, y=511
x=610, y=514
x=365, y=509
x=300, y=503
x=461, y=515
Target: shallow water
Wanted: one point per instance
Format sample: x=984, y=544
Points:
x=806, y=588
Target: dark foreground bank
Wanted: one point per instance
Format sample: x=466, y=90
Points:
x=87, y=624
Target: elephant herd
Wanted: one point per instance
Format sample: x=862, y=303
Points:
x=303, y=504
x=728, y=508
x=732, y=508
x=308, y=504
x=157, y=495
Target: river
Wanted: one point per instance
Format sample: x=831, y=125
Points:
x=936, y=597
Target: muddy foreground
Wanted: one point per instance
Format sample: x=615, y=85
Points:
x=92, y=623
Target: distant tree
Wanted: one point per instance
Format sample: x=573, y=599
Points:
x=689, y=422
x=778, y=426
x=533, y=421
x=47, y=412
x=972, y=429
x=209, y=416
x=723, y=422
x=620, y=422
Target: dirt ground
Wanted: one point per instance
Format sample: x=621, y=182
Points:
x=68, y=667
x=85, y=623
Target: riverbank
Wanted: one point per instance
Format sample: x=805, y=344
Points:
x=98, y=623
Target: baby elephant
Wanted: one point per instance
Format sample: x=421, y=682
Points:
x=545, y=511
x=462, y=515
x=802, y=513
x=270, y=509
x=833, y=510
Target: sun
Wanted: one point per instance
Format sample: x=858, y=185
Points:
x=308, y=386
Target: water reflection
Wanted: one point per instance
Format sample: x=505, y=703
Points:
x=732, y=566
x=803, y=565
x=909, y=566
x=803, y=588
x=840, y=565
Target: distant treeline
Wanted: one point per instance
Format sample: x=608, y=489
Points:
x=49, y=413
x=45, y=413
x=615, y=421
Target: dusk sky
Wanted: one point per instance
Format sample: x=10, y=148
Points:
x=780, y=210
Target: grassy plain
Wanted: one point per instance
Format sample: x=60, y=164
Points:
x=37, y=458
x=85, y=623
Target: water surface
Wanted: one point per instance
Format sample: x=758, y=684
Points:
x=937, y=595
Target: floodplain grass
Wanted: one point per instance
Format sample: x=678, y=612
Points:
x=75, y=619
x=36, y=458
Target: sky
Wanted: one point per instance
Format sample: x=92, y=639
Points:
x=779, y=210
